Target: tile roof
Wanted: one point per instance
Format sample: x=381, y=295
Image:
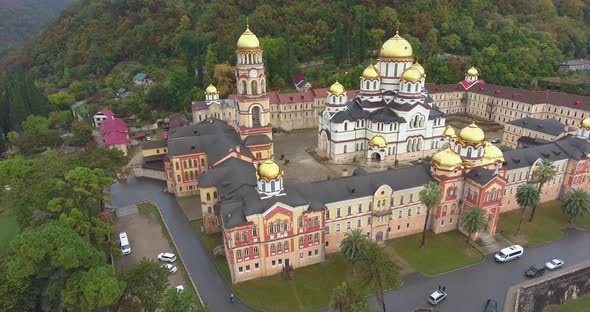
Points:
x=481, y=175
x=549, y=126
x=114, y=131
x=257, y=139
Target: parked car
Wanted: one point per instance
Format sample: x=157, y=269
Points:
x=167, y=257
x=148, y=138
x=179, y=288
x=535, y=271
x=509, y=253
x=491, y=306
x=170, y=267
x=437, y=296
x=554, y=264
x=496, y=140
x=125, y=246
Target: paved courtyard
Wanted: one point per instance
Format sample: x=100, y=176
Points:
x=147, y=241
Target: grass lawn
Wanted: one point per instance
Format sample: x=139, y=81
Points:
x=547, y=226
x=309, y=290
x=581, y=304
x=442, y=253
x=8, y=226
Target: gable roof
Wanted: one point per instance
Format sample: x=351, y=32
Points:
x=139, y=76
x=549, y=126
x=481, y=175
x=114, y=131
x=105, y=112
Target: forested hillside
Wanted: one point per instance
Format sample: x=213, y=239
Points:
x=98, y=45
x=20, y=20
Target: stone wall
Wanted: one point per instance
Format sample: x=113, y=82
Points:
x=149, y=173
x=552, y=288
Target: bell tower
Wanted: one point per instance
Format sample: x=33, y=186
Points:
x=253, y=107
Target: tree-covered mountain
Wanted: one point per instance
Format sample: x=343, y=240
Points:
x=100, y=44
x=20, y=20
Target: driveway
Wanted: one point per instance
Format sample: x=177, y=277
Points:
x=199, y=265
x=468, y=288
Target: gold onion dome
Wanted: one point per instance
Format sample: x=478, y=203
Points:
x=211, y=89
x=419, y=68
x=371, y=72
x=396, y=47
x=472, y=71
x=248, y=40
x=269, y=170
x=337, y=89
x=472, y=134
x=586, y=122
x=412, y=74
x=492, y=152
x=449, y=132
x=378, y=141
x=447, y=159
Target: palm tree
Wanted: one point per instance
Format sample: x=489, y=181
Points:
x=473, y=221
x=378, y=268
x=576, y=203
x=527, y=195
x=430, y=196
x=544, y=172
x=353, y=246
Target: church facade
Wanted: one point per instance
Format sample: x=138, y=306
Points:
x=391, y=118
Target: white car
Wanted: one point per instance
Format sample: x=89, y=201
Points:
x=170, y=267
x=179, y=288
x=437, y=296
x=554, y=264
x=167, y=257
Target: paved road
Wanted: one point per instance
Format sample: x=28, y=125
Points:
x=199, y=264
x=468, y=288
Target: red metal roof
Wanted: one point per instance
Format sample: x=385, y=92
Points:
x=114, y=131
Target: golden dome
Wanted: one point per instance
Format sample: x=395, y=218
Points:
x=371, y=72
x=248, y=40
x=472, y=71
x=412, y=74
x=336, y=89
x=492, y=152
x=447, y=159
x=269, y=170
x=449, y=132
x=472, y=134
x=419, y=68
x=211, y=89
x=397, y=48
x=378, y=141
x=586, y=122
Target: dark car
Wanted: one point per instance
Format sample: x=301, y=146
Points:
x=491, y=306
x=535, y=271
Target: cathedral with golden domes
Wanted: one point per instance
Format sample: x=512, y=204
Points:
x=391, y=118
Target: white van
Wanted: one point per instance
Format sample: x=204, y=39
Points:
x=509, y=253
x=125, y=247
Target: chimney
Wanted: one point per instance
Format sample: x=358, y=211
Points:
x=514, y=95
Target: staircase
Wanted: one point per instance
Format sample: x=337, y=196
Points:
x=488, y=244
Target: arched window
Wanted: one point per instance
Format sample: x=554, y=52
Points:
x=285, y=226
x=254, y=86
x=244, y=88
x=367, y=85
x=195, y=164
x=254, y=232
x=237, y=237
x=239, y=254
x=246, y=252
x=202, y=162
x=244, y=236
x=255, y=250
x=280, y=246
x=300, y=240
x=316, y=237
x=272, y=248
x=208, y=196
x=271, y=228
x=345, y=126
x=184, y=164
x=272, y=186
x=344, y=148
x=375, y=85
x=262, y=86
x=469, y=150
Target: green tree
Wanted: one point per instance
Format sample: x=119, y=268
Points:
x=16, y=295
x=576, y=203
x=527, y=195
x=61, y=100
x=345, y=298
x=81, y=133
x=353, y=246
x=146, y=284
x=472, y=221
x=92, y=290
x=180, y=301
x=275, y=57
x=544, y=172
x=430, y=196
x=60, y=119
x=87, y=187
x=377, y=269
x=12, y=137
